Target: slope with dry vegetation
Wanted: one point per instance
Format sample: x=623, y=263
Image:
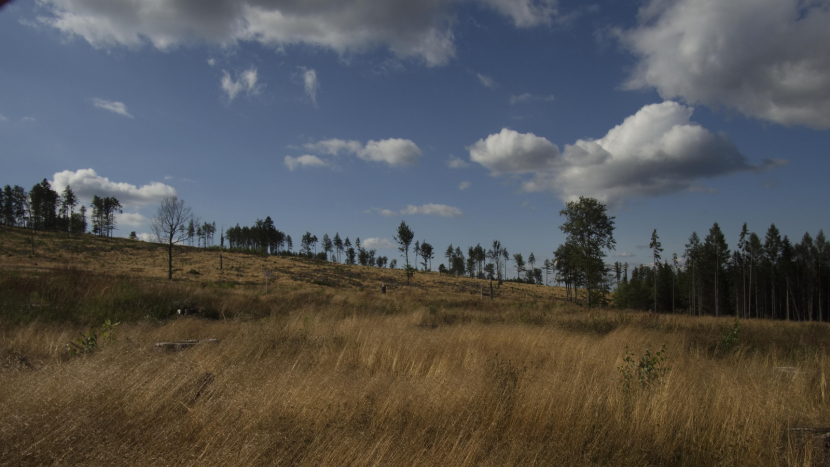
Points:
x=335, y=373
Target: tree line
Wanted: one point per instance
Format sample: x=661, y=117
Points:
x=42, y=208
x=771, y=277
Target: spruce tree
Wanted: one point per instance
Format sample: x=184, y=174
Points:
x=656, y=249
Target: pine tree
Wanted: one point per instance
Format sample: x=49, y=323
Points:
x=716, y=255
x=520, y=264
x=772, y=249
x=692, y=255
x=531, y=260
x=404, y=239
x=338, y=245
x=656, y=249
x=328, y=246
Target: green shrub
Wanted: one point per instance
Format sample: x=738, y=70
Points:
x=650, y=369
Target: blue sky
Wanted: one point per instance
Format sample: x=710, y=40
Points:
x=471, y=120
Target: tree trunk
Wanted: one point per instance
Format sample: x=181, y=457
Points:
x=170, y=261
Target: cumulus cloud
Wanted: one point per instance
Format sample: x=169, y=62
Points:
x=623, y=254
x=211, y=61
x=656, y=151
x=527, y=97
x=311, y=84
x=464, y=185
x=511, y=151
x=304, y=161
x=392, y=151
x=86, y=183
x=112, y=106
x=147, y=237
x=440, y=210
x=419, y=29
x=132, y=219
x=456, y=163
x=765, y=58
x=245, y=82
x=486, y=81
x=378, y=243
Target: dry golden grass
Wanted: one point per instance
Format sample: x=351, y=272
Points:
x=118, y=256
x=314, y=375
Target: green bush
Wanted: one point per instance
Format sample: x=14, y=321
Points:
x=646, y=371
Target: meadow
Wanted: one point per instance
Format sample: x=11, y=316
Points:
x=326, y=370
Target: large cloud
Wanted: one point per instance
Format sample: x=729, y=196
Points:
x=409, y=28
x=656, y=151
x=511, y=151
x=392, y=151
x=85, y=183
x=766, y=58
x=133, y=219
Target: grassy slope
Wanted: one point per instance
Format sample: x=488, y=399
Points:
x=149, y=261
x=427, y=375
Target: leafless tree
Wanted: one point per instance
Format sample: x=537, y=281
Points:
x=170, y=226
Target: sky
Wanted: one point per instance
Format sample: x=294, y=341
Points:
x=470, y=120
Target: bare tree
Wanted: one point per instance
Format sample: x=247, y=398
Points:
x=170, y=226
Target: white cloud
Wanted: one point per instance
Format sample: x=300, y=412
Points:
x=624, y=254
x=335, y=147
x=766, y=58
x=211, y=61
x=456, y=163
x=656, y=151
x=245, y=82
x=527, y=97
x=378, y=243
x=464, y=185
x=304, y=161
x=419, y=29
x=28, y=119
x=311, y=84
x=393, y=151
x=525, y=13
x=3, y=118
x=132, y=219
x=511, y=151
x=486, y=81
x=86, y=183
x=146, y=237
x=112, y=106
x=440, y=210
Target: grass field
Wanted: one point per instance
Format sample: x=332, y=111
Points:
x=325, y=370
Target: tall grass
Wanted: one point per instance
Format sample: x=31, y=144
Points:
x=319, y=376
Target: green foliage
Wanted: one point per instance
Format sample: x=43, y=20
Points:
x=87, y=344
x=730, y=338
x=589, y=230
x=646, y=371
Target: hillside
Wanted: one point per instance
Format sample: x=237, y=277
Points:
x=324, y=370
x=197, y=266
